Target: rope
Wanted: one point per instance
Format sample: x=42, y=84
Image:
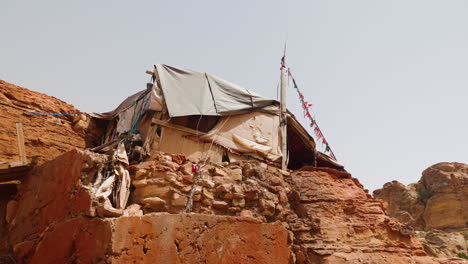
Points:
x=53, y=114
x=313, y=122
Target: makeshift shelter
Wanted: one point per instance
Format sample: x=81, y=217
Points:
x=204, y=116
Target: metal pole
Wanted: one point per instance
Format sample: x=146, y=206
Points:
x=283, y=117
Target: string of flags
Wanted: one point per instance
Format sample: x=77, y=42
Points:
x=313, y=124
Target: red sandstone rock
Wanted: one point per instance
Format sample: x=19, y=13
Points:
x=337, y=223
x=163, y=238
x=11, y=208
x=437, y=202
x=46, y=136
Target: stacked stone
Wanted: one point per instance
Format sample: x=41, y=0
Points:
x=246, y=188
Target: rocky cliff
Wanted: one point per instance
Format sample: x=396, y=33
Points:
x=437, y=206
x=245, y=212
x=241, y=212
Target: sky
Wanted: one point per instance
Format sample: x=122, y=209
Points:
x=388, y=79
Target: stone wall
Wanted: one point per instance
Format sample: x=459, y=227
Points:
x=243, y=188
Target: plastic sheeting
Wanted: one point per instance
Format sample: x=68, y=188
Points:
x=197, y=93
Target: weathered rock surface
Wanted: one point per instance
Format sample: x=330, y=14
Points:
x=439, y=201
x=54, y=192
x=46, y=136
x=442, y=244
x=311, y=216
x=338, y=222
x=163, y=238
x=403, y=202
x=447, y=205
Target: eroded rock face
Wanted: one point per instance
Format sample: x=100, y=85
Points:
x=163, y=238
x=54, y=192
x=447, y=205
x=442, y=244
x=338, y=222
x=403, y=202
x=244, y=212
x=46, y=136
x=439, y=201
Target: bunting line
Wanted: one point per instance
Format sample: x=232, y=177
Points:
x=313, y=123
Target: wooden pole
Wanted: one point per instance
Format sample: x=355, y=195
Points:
x=283, y=118
x=22, y=149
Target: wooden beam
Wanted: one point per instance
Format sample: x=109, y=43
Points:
x=153, y=73
x=22, y=149
x=177, y=127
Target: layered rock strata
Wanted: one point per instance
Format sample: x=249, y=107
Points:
x=46, y=136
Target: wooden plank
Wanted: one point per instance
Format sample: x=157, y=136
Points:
x=4, y=166
x=22, y=149
x=153, y=73
x=174, y=141
x=177, y=127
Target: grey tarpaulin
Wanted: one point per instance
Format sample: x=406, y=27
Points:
x=197, y=93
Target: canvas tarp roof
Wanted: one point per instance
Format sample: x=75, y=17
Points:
x=188, y=92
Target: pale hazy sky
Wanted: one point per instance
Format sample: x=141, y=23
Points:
x=388, y=79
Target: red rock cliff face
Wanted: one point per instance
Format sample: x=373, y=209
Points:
x=436, y=206
x=55, y=222
x=337, y=222
x=46, y=137
x=328, y=218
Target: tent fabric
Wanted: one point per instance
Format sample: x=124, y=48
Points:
x=239, y=132
x=197, y=93
x=154, y=97
x=176, y=141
